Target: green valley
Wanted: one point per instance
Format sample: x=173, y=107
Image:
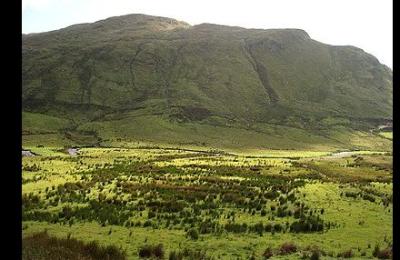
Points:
x=145, y=137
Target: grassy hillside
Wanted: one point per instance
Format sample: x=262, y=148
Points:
x=160, y=131
x=155, y=78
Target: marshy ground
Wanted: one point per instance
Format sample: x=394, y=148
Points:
x=201, y=204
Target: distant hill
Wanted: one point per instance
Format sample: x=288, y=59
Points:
x=156, y=79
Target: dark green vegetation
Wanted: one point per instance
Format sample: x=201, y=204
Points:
x=177, y=204
x=154, y=79
x=186, y=198
x=41, y=246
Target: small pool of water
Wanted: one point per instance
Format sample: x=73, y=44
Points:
x=27, y=153
x=73, y=151
x=343, y=154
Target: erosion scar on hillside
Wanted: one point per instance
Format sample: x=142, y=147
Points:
x=261, y=71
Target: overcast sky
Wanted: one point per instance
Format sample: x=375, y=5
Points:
x=366, y=24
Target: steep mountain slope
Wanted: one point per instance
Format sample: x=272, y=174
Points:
x=158, y=79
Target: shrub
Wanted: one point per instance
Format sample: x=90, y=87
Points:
x=278, y=227
x=152, y=251
x=315, y=255
x=297, y=213
x=159, y=251
x=346, y=254
x=268, y=227
x=151, y=214
x=258, y=228
x=267, y=253
x=263, y=212
x=206, y=227
x=382, y=254
x=175, y=256
x=309, y=224
x=385, y=253
x=236, y=228
x=192, y=234
x=145, y=251
x=376, y=250
x=350, y=194
x=287, y=248
x=368, y=197
x=281, y=212
x=66, y=248
x=147, y=223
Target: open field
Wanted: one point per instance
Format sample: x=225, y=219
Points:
x=223, y=205
x=388, y=135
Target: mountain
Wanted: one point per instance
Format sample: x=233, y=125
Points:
x=155, y=79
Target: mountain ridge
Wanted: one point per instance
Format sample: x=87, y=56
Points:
x=138, y=66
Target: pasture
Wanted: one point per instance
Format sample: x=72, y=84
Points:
x=211, y=204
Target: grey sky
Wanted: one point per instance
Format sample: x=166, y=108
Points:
x=366, y=24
